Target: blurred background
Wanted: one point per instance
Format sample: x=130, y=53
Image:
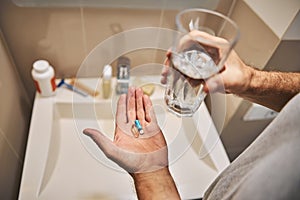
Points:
x=64, y=32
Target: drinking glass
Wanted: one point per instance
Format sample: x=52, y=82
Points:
x=200, y=49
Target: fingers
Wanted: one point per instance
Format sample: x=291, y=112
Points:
x=131, y=106
x=102, y=141
x=121, y=110
x=149, y=112
x=165, y=70
x=215, y=84
x=110, y=150
x=140, y=105
x=164, y=74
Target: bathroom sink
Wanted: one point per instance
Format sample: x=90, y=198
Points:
x=63, y=163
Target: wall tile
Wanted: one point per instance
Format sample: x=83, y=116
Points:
x=54, y=34
x=102, y=24
x=256, y=46
x=257, y=42
x=64, y=36
x=15, y=110
x=10, y=171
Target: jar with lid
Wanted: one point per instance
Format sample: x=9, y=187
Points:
x=44, y=78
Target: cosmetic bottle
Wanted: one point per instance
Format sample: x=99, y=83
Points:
x=106, y=81
x=44, y=78
x=123, y=68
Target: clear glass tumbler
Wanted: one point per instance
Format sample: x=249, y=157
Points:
x=200, y=49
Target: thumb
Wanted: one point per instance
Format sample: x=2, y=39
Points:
x=104, y=143
x=215, y=84
x=111, y=151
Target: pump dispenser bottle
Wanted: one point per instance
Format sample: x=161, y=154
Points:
x=106, y=81
x=123, y=68
x=44, y=79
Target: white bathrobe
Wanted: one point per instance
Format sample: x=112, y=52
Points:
x=270, y=167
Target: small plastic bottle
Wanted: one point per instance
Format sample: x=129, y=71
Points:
x=123, y=75
x=106, y=81
x=44, y=78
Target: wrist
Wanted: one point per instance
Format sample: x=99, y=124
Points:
x=256, y=82
x=150, y=176
x=249, y=75
x=158, y=184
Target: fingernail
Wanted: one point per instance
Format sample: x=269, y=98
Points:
x=139, y=90
x=86, y=132
x=130, y=91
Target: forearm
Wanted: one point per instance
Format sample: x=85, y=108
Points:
x=155, y=185
x=271, y=89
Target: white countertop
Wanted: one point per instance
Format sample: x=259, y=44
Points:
x=62, y=163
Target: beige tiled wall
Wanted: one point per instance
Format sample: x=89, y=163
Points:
x=258, y=42
x=14, y=122
x=256, y=45
x=64, y=36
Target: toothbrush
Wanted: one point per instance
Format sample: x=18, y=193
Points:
x=82, y=87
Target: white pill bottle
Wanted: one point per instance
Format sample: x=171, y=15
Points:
x=44, y=78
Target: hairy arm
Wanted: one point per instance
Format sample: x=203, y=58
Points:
x=271, y=89
x=155, y=185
